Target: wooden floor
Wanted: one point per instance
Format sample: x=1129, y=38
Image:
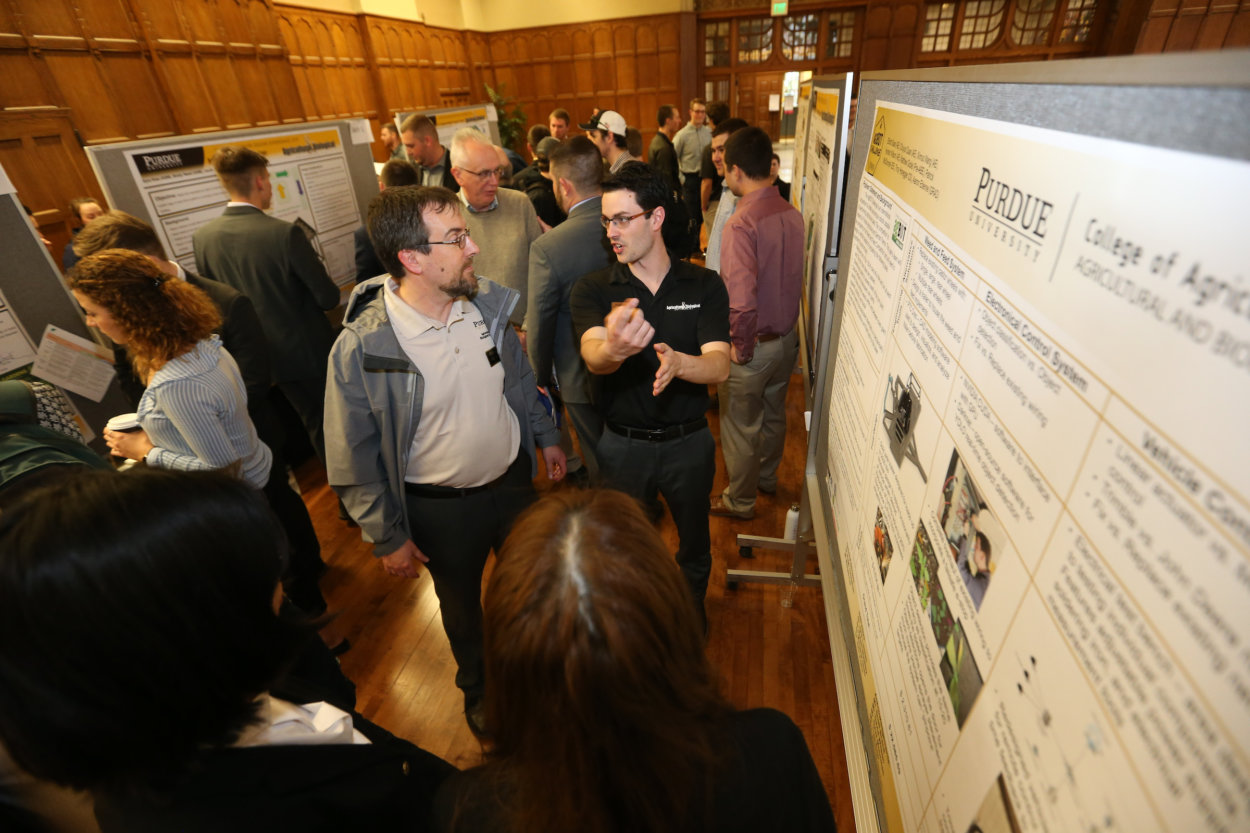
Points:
x=767, y=655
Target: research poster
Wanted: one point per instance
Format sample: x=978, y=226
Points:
x=482, y=117
x=801, y=118
x=312, y=188
x=820, y=173
x=1042, y=479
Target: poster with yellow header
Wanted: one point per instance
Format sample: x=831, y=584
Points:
x=1042, y=476
x=311, y=188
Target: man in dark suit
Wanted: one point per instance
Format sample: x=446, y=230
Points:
x=661, y=155
x=394, y=173
x=244, y=337
x=274, y=264
x=427, y=153
x=557, y=259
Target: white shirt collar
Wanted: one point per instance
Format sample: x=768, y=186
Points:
x=409, y=322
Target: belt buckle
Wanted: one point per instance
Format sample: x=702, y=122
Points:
x=657, y=435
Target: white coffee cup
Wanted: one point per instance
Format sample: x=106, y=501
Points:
x=124, y=423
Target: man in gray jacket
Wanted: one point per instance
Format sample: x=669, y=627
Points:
x=432, y=414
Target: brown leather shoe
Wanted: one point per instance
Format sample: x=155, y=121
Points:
x=720, y=510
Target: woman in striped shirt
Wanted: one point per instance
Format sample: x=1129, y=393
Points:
x=194, y=411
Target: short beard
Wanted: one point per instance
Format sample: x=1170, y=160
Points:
x=462, y=286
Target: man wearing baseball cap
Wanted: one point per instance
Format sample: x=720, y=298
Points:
x=607, y=130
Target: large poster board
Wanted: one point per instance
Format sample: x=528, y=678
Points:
x=36, y=309
x=820, y=166
x=1040, y=578
x=322, y=176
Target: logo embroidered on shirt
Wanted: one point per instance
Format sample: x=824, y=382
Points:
x=683, y=306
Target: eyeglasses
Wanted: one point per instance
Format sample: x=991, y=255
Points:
x=497, y=173
x=622, y=222
x=458, y=240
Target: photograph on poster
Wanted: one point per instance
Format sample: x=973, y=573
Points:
x=996, y=814
x=959, y=670
x=901, y=411
x=966, y=521
x=881, y=544
x=924, y=571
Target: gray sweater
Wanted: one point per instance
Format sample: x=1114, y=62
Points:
x=504, y=236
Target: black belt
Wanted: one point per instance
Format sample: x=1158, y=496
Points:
x=766, y=337
x=427, y=490
x=659, y=435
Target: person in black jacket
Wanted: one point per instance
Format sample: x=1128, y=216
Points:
x=275, y=264
x=140, y=650
x=604, y=711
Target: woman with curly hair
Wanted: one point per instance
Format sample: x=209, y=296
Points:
x=193, y=412
x=604, y=713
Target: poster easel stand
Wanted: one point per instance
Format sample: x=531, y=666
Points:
x=802, y=545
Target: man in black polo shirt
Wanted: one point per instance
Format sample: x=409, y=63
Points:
x=655, y=333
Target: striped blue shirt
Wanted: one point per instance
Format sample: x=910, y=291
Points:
x=195, y=413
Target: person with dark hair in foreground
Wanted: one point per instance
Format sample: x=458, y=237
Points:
x=139, y=645
x=605, y=712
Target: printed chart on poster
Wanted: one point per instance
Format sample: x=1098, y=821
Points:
x=1036, y=430
x=311, y=188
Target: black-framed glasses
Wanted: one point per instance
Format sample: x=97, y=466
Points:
x=622, y=222
x=458, y=240
x=497, y=173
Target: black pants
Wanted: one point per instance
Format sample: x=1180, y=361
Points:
x=690, y=190
x=682, y=470
x=307, y=398
x=588, y=423
x=457, y=535
x=300, y=579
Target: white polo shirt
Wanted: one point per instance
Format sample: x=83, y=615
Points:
x=466, y=435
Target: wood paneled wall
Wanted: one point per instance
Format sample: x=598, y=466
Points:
x=329, y=64
x=1183, y=25
x=113, y=70
x=117, y=70
x=130, y=69
x=420, y=67
x=631, y=65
